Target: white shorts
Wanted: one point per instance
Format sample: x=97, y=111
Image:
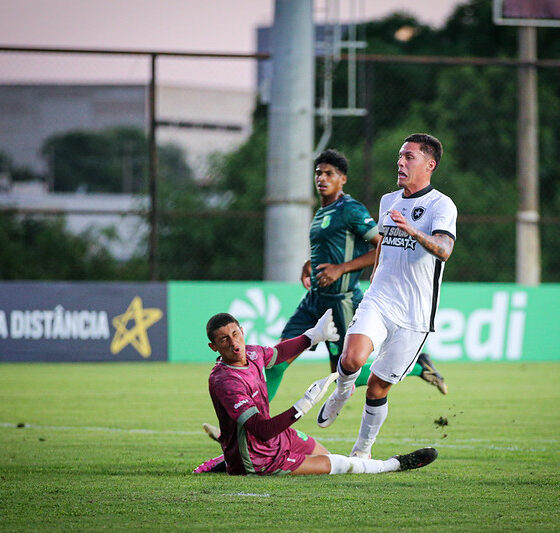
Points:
x=397, y=348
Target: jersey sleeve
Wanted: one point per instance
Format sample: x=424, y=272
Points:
x=235, y=397
x=270, y=356
x=382, y=214
x=289, y=348
x=360, y=221
x=445, y=218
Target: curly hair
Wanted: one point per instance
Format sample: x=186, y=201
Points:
x=334, y=158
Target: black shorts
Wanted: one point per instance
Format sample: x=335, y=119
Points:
x=312, y=307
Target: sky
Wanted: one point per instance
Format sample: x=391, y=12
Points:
x=170, y=25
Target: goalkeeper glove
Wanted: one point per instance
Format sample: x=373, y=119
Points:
x=324, y=330
x=314, y=394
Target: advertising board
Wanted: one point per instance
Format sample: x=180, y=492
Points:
x=475, y=321
x=83, y=321
x=167, y=321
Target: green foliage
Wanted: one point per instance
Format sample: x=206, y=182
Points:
x=497, y=468
x=478, y=106
x=35, y=248
x=216, y=231
x=244, y=171
x=113, y=160
x=32, y=248
x=15, y=172
x=470, y=31
x=173, y=170
x=5, y=162
x=86, y=160
x=473, y=110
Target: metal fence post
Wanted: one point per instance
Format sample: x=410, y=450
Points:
x=153, y=169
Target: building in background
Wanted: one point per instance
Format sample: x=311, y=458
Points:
x=201, y=120
x=114, y=220
x=30, y=114
x=204, y=120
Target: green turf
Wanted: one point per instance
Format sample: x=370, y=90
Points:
x=498, y=468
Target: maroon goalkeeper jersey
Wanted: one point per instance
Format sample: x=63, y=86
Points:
x=238, y=393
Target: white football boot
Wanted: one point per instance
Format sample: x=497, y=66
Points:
x=328, y=413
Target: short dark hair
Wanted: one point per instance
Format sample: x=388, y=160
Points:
x=428, y=144
x=219, y=321
x=334, y=158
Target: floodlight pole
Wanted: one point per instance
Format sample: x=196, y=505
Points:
x=528, y=260
x=289, y=189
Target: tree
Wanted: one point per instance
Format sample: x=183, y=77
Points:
x=215, y=231
x=473, y=110
x=15, y=172
x=33, y=248
x=113, y=160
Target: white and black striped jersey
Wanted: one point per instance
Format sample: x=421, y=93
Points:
x=407, y=281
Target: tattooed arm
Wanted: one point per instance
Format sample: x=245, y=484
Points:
x=440, y=245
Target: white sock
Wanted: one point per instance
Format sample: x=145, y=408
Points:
x=372, y=420
x=345, y=382
x=340, y=464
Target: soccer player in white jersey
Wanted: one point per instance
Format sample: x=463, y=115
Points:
x=418, y=226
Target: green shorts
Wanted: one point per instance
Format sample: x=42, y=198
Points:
x=312, y=307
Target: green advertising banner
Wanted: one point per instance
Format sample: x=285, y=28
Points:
x=496, y=322
x=475, y=321
x=262, y=308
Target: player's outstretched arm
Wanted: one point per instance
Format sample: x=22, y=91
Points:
x=267, y=428
x=328, y=273
x=375, y=262
x=323, y=330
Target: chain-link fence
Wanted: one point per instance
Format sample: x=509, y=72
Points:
x=473, y=109
x=75, y=198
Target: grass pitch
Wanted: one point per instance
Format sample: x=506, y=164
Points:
x=112, y=446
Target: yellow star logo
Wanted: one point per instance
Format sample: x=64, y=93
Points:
x=138, y=334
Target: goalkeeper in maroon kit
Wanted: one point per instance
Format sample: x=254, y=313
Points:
x=255, y=443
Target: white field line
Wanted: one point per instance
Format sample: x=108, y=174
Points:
x=460, y=444
x=466, y=444
x=253, y=494
x=466, y=441
x=109, y=430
